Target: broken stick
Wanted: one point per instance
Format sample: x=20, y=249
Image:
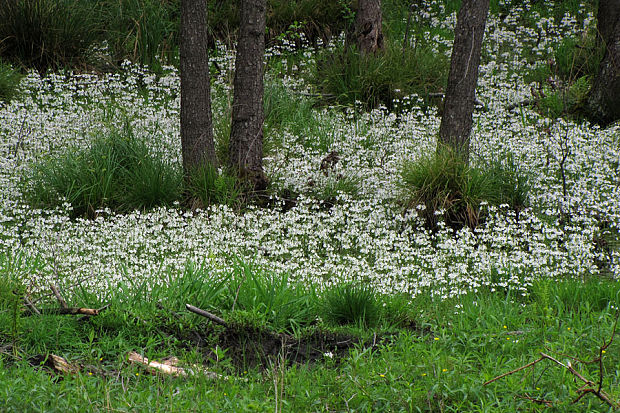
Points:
x=206, y=314
x=168, y=367
x=61, y=301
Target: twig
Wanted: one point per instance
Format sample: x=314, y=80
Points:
x=61, y=301
x=590, y=386
x=547, y=403
x=206, y=314
x=69, y=311
x=513, y=371
x=526, y=102
x=31, y=306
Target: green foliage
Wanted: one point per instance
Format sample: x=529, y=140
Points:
x=345, y=76
x=208, y=186
x=282, y=304
x=9, y=81
x=351, y=303
x=286, y=111
x=144, y=31
x=444, y=183
x=315, y=19
x=46, y=33
x=335, y=186
x=436, y=353
x=117, y=171
x=564, y=82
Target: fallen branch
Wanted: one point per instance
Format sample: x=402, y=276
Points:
x=526, y=102
x=167, y=367
x=31, y=306
x=61, y=365
x=589, y=387
x=70, y=311
x=206, y=314
x=56, y=292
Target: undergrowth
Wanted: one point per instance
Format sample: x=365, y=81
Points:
x=442, y=184
x=432, y=354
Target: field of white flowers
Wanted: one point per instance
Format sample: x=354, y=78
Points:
x=366, y=236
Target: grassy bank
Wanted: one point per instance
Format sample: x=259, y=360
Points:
x=437, y=357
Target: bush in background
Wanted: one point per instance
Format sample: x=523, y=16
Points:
x=345, y=76
x=46, y=34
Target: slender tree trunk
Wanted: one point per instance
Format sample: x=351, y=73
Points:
x=368, y=32
x=456, y=121
x=196, y=122
x=603, y=104
x=246, y=136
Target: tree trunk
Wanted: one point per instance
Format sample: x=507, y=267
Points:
x=196, y=122
x=246, y=136
x=368, y=32
x=456, y=121
x=603, y=103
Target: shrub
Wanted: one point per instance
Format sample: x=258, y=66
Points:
x=9, y=81
x=116, y=171
x=444, y=183
x=345, y=76
x=351, y=303
x=46, y=33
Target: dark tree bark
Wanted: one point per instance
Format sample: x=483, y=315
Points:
x=603, y=104
x=460, y=93
x=196, y=122
x=246, y=136
x=368, y=32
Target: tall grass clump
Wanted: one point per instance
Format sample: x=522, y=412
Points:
x=346, y=76
x=284, y=110
x=351, y=303
x=272, y=297
x=117, y=171
x=9, y=81
x=207, y=186
x=444, y=184
x=143, y=31
x=46, y=34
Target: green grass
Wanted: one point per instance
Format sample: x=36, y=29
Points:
x=117, y=171
x=143, y=31
x=437, y=356
x=443, y=182
x=345, y=76
x=351, y=303
x=9, y=81
x=207, y=186
x=46, y=33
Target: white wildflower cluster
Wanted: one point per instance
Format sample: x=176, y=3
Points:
x=367, y=237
